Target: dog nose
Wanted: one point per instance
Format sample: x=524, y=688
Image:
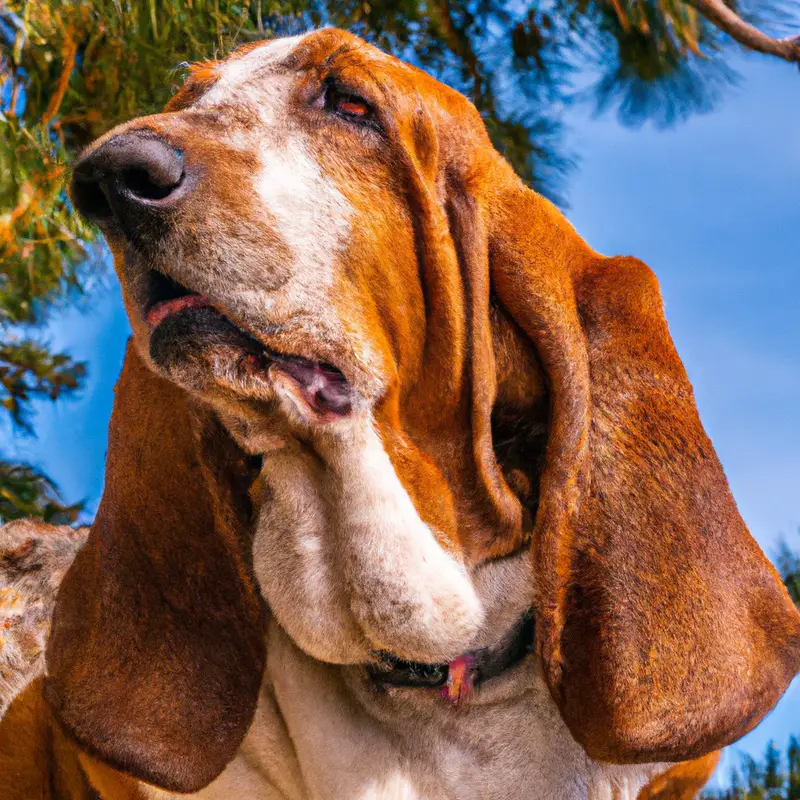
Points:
x=125, y=176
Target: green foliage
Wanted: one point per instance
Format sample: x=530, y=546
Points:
x=44, y=247
x=28, y=370
x=793, y=764
x=788, y=563
x=773, y=778
x=25, y=492
x=669, y=61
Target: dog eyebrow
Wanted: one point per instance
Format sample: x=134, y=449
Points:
x=200, y=77
x=345, y=48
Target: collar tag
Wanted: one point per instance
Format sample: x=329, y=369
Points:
x=460, y=679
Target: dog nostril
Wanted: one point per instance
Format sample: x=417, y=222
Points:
x=149, y=184
x=125, y=175
x=90, y=199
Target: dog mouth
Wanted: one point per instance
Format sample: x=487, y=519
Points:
x=192, y=340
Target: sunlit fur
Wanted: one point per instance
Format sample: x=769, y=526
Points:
x=522, y=434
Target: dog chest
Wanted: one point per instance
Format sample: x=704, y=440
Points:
x=328, y=733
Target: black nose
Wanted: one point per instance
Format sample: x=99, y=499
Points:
x=130, y=174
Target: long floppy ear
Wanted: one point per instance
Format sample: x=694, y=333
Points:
x=663, y=630
x=157, y=647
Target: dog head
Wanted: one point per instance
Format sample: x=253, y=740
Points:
x=328, y=266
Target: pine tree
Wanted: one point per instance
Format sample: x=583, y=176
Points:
x=793, y=775
x=773, y=778
x=736, y=791
x=28, y=370
x=789, y=567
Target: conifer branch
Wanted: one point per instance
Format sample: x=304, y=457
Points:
x=727, y=20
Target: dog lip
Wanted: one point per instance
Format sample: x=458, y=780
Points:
x=323, y=388
x=166, y=308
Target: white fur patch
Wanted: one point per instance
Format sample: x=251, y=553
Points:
x=311, y=215
x=346, y=563
x=308, y=211
x=322, y=731
x=407, y=594
x=289, y=190
x=290, y=195
x=236, y=72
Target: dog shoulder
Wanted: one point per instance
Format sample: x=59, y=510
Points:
x=39, y=760
x=36, y=761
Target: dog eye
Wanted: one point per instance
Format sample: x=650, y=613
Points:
x=350, y=106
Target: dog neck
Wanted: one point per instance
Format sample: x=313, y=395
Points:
x=330, y=732
x=325, y=727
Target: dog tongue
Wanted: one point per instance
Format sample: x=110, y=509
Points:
x=166, y=308
x=324, y=388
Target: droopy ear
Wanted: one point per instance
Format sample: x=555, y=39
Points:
x=664, y=632
x=157, y=647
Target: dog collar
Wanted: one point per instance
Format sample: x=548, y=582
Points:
x=458, y=678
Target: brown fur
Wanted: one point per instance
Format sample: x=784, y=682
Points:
x=662, y=630
x=39, y=761
x=188, y=623
x=683, y=781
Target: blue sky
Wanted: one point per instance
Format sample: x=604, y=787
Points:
x=713, y=206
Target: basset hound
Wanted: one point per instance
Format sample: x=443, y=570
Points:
x=406, y=491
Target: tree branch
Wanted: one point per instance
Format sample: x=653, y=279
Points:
x=70, y=52
x=727, y=20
